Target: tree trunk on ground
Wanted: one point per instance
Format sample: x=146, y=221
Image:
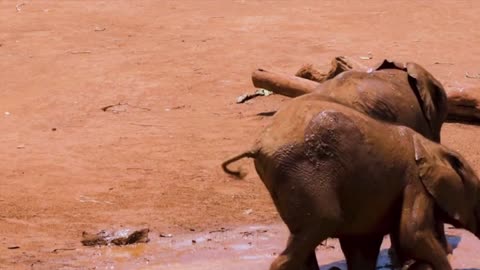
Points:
x=282, y=84
x=464, y=104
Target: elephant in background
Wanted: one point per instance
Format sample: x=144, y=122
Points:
x=406, y=94
x=403, y=93
x=333, y=171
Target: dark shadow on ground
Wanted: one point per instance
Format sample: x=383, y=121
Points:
x=270, y=113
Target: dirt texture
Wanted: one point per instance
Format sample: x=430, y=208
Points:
x=117, y=114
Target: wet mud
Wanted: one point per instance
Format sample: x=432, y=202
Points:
x=247, y=247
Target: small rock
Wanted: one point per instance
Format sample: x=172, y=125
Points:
x=248, y=211
x=194, y=241
x=94, y=239
x=20, y=146
x=246, y=234
x=242, y=98
x=140, y=236
x=7, y=113
x=166, y=235
x=221, y=230
x=54, y=129
x=105, y=238
x=367, y=57
x=13, y=247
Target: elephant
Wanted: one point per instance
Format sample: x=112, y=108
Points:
x=406, y=94
x=335, y=172
x=402, y=93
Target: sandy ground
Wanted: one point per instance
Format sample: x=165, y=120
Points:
x=174, y=69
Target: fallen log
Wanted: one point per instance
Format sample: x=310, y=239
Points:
x=305, y=80
x=282, y=84
x=464, y=104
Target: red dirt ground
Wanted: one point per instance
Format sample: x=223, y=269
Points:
x=67, y=166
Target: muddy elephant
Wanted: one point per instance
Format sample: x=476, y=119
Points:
x=405, y=94
x=335, y=172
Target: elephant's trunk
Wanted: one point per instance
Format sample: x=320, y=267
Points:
x=238, y=173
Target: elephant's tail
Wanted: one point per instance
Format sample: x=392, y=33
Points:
x=238, y=173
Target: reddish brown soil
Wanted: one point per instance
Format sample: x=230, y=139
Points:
x=177, y=67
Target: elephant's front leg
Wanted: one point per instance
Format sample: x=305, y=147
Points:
x=398, y=261
x=361, y=252
x=418, y=236
x=299, y=253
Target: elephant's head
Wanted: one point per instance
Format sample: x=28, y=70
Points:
x=451, y=181
x=429, y=92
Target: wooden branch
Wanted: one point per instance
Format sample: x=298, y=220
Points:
x=464, y=105
x=282, y=84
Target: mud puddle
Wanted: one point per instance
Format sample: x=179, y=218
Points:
x=249, y=247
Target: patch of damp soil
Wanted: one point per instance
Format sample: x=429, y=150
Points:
x=246, y=247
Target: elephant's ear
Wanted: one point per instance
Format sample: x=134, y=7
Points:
x=442, y=176
x=431, y=96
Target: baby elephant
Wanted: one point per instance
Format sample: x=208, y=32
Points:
x=335, y=172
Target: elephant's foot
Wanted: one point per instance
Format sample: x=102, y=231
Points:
x=361, y=252
x=285, y=262
x=417, y=266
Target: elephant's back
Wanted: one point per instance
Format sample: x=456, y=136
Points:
x=332, y=133
x=368, y=159
x=385, y=95
x=290, y=122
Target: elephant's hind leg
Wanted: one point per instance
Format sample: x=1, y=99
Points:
x=299, y=253
x=361, y=252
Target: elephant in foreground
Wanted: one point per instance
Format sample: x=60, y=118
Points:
x=335, y=172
